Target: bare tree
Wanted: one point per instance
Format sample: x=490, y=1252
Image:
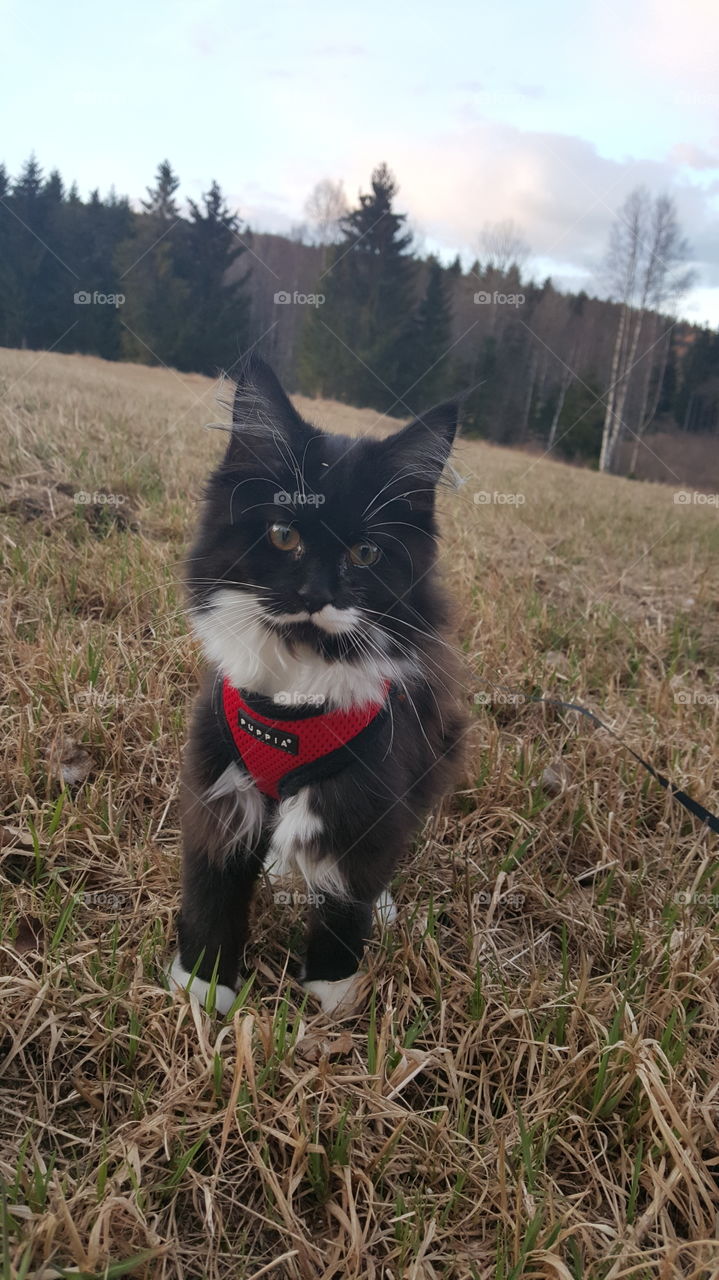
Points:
x=503, y=245
x=645, y=273
x=325, y=207
x=566, y=380
x=649, y=404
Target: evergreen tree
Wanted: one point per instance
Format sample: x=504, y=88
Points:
x=480, y=376
x=5, y=268
x=93, y=233
x=36, y=281
x=357, y=346
x=215, y=332
x=580, y=423
x=26, y=254
x=156, y=295
x=431, y=360
x=697, y=402
x=380, y=340
x=160, y=202
x=28, y=187
x=60, y=278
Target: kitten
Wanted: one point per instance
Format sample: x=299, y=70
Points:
x=330, y=721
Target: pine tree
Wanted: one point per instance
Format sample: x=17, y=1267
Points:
x=5, y=267
x=156, y=296
x=481, y=377
x=216, y=329
x=161, y=201
x=697, y=402
x=431, y=361
x=28, y=275
x=28, y=187
x=94, y=230
x=357, y=346
x=59, y=279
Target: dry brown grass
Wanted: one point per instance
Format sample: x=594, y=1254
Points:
x=533, y=1090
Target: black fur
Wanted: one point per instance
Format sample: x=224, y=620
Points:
x=382, y=491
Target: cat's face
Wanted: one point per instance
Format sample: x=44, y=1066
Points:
x=323, y=541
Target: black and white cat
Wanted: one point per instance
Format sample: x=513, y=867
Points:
x=330, y=721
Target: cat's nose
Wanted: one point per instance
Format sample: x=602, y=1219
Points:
x=314, y=597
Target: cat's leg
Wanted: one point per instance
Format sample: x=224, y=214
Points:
x=338, y=932
x=385, y=909
x=223, y=817
x=213, y=923
x=348, y=843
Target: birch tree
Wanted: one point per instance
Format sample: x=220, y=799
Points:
x=325, y=207
x=645, y=272
x=503, y=245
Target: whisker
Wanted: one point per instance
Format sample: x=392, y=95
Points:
x=399, y=475
x=403, y=524
x=400, y=497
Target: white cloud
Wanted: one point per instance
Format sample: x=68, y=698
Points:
x=560, y=191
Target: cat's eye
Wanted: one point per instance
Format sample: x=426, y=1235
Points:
x=363, y=554
x=284, y=536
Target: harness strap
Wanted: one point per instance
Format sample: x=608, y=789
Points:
x=693, y=806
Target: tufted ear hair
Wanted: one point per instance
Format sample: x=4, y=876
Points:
x=422, y=447
x=263, y=417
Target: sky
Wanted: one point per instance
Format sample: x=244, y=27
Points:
x=546, y=113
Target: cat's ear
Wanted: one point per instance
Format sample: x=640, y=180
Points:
x=423, y=447
x=263, y=417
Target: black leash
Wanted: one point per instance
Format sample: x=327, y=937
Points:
x=694, y=807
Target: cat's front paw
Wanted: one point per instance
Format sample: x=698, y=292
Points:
x=179, y=978
x=385, y=909
x=338, y=998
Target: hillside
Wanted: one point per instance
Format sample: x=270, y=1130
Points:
x=533, y=1089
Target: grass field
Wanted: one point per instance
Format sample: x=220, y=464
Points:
x=534, y=1088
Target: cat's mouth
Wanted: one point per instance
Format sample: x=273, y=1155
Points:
x=330, y=619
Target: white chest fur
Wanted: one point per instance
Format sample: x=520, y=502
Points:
x=235, y=639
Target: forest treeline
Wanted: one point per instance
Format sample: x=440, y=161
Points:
x=345, y=308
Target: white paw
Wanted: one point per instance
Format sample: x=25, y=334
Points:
x=334, y=996
x=385, y=908
x=224, y=996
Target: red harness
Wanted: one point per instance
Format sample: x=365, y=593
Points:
x=286, y=750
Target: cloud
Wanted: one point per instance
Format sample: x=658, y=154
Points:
x=681, y=48
x=685, y=153
x=559, y=189
x=341, y=50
